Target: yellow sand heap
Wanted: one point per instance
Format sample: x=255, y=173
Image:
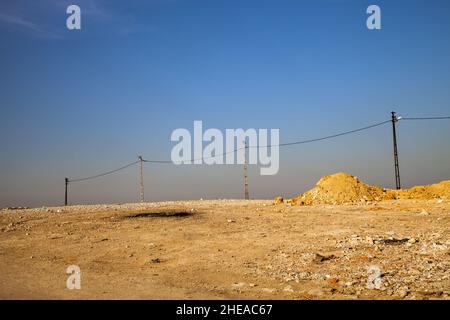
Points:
x=343, y=188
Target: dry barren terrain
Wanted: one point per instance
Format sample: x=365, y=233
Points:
x=228, y=249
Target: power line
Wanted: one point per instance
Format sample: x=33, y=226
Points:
x=277, y=145
x=156, y=161
x=267, y=146
x=332, y=136
x=229, y=152
x=424, y=118
x=104, y=173
x=142, y=160
x=194, y=159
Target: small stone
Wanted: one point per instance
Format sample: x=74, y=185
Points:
x=238, y=285
x=369, y=240
x=288, y=289
x=332, y=281
x=348, y=284
x=403, y=293
x=320, y=258
x=278, y=200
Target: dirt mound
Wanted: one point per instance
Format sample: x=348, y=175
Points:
x=343, y=188
x=439, y=190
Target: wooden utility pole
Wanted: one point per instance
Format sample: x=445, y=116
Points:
x=65, y=194
x=396, y=166
x=142, y=178
x=246, y=195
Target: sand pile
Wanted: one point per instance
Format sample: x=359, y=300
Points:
x=439, y=190
x=343, y=188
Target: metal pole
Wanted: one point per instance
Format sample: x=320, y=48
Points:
x=142, y=178
x=396, y=166
x=65, y=195
x=246, y=195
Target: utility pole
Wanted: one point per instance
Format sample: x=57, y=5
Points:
x=394, y=135
x=65, y=194
x=245, y=172
x=142, y=178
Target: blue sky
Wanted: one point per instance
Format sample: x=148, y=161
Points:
x=75, y=103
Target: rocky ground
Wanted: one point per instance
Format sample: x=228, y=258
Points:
x=229, y=249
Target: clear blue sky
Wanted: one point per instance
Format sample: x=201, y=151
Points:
x=75, y=103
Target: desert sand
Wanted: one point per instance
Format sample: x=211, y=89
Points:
x=228, y=249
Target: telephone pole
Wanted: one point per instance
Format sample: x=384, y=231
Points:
x=245, y=172
x=142, y=178
x=394, y=135
x=65, y=194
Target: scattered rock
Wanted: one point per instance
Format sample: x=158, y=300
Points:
x=402, y=293
x=393, y=241
x=278, y=200
x=238, y=285
x=333, y=281
x=288, y=289
x=318, y=258
x=348, y=284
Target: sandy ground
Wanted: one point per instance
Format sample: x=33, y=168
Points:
x=228, y=249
